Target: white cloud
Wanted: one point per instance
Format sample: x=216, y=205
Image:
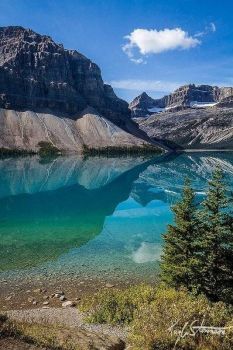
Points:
x=213, y=27
x=156, y=41
x=137, y=60
x=148, y=85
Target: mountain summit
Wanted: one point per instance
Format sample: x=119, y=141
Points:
x=187, y=96
x=48, y=93
x=36, y=73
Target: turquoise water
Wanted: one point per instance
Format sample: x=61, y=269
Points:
x=96, y=215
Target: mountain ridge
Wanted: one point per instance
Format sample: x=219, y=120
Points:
x=186, y=96
x=207, y=128
x=46, y=93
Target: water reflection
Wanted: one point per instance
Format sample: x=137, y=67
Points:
x=30, y=175
x=95, y=212
x=58, y=205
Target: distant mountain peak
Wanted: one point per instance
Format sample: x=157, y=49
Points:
x=144, y=94
x=141, y=100
x=186, y=96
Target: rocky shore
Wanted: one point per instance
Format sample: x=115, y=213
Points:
x=68, y=326
x=47, y=292
x=48, y=305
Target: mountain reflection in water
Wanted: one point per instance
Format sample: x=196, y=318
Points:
x=95, y=211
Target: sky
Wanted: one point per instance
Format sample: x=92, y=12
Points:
x=140, y=45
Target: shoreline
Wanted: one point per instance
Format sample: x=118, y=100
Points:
x=32, y=294
x=194, y=150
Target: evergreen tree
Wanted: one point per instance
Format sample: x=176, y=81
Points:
x=178, y=253
x=198, y=251
x=214, y=249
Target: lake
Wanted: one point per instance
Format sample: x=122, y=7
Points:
x=93, y=218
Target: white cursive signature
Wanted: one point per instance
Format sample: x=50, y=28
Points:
x=191, y=329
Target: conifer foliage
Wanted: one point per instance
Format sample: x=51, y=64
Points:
x=178, y=251
x=198, y=251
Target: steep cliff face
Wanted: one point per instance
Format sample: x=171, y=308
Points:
x=43, y=87
x=187, y=96
x=210, y=128
x=37, y=73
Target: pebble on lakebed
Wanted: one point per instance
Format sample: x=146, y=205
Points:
x=38, y=290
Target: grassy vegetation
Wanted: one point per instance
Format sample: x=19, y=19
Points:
x=36, y=334
x=158, y=318
x=157, y=315
x=121, y=151
x=117, y=306
x=51, y=337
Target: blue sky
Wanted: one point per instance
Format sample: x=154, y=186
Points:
x=155, y=57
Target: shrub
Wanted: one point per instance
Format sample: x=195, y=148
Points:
x=46, y=149
x=162, y=318
x=117, y=306
x=167, y=323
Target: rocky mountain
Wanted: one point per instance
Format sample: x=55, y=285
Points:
x=144, y=105
x=25, y=129
x=187, y=96
x=209, y=128
x=193, y=117
x=46, y=93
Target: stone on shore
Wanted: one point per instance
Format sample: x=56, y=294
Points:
x=68, y=303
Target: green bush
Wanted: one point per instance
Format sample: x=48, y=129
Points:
x=167, y=323
x=156, y=317
x=117, y=306
x=46, y=149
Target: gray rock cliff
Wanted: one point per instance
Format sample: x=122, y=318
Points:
x=187, y=96
x=47, y=92
x=37, y=73
x=210, y=128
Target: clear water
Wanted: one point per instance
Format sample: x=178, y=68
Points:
x=97, y=215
